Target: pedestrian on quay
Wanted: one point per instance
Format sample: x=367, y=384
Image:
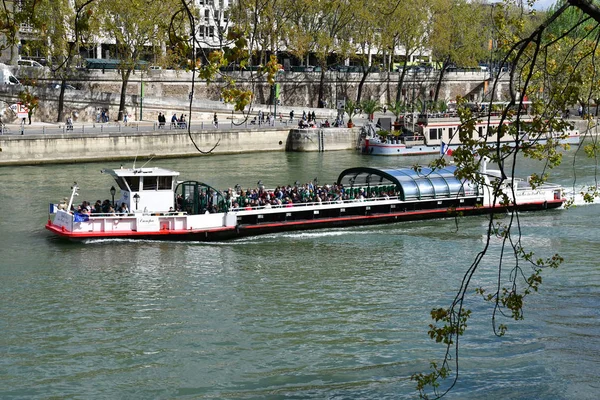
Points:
x=216, y=121
x=292, y=116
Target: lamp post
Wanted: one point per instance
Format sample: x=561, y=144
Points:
x=112, y=193
x=136, y=198
x=141, y=95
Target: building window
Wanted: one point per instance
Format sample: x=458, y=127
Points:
x=211, y=31
x=207, y=17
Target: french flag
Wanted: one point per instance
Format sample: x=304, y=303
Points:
x=445, y=150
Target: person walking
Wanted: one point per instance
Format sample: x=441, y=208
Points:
x=292, y=116
x=216, y=121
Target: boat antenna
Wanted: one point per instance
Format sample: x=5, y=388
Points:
x=150, y=159
x=134, y=161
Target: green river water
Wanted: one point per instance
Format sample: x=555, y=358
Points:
x=335, y=314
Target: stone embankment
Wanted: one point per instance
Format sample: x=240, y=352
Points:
x=33, y=149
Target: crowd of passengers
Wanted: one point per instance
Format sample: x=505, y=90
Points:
x=307, y=193
x=100, y=207
x=281, y=196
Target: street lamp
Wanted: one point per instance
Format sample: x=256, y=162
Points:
x=136, y=198
x=112, y=193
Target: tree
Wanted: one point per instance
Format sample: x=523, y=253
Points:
x=456, y=35
x=318, y=28
x=351, y=108
x=370, y=107
x=66, y=24
x=366, y=38
x=405, y=29
x=30, y=101
x=138, y=29
x=553, y=73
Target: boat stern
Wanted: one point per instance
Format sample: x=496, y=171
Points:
x=62, y=224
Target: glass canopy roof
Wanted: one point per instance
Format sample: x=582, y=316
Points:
x=424, y=184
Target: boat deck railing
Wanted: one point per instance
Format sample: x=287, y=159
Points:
x=314, y=203
x=132, y=215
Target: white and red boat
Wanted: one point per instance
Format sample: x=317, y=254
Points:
x=161, y=207
x=440, y=134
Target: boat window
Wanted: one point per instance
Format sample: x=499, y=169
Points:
x=133, y=182
x=435, y=133
x=121, y=184
x=481, y=131
x=149, y=182
x=165, y=182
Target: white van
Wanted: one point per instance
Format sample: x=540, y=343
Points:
x=7, y=77
x=29, y=63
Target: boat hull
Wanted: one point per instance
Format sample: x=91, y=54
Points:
x=275, y=223
x=375, y=148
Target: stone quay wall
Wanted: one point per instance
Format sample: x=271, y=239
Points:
x=70, y=148
x=168, y=91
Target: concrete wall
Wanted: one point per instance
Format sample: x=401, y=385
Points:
x=40, y=149
x=168, y=92
x=325, y=139
x=68, y=148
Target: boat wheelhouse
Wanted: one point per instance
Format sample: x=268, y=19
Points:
x=160, y=207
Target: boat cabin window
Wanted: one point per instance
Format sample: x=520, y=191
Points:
x=121, y=182
x=165, y=183
x=149, y=182
x=158, y=182
x=133, y=182
x=480, y=131
x=435, y=133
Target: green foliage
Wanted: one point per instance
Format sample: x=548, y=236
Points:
x=370, y=106
x=29, y=100
x=351, y=108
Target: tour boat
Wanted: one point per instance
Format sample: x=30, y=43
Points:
x=159, y=206
x=438, y=136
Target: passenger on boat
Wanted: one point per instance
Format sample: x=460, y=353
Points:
x=97, y=207
x=123, y=209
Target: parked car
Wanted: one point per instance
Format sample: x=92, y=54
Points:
x=56, y=86
x=29, y=63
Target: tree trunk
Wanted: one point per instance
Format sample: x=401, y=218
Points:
x=321, y=87
x=362, y=83
x=125, y=74
x=440, y=79
x=401, y=80
x=61, y=100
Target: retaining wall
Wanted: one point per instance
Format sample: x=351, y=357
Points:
x=69, y=148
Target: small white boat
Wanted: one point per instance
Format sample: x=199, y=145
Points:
x=440, y=134
x=158, y=206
